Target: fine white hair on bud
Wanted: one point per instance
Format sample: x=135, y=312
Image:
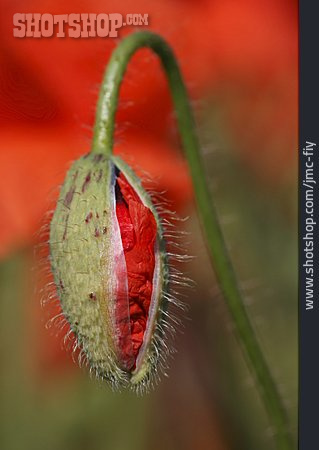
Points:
x=115, y=273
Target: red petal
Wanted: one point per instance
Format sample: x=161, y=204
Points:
x=138, y=233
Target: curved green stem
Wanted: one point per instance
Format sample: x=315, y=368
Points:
x=103, y=143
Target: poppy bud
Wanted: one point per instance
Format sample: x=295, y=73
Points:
x=110, y=268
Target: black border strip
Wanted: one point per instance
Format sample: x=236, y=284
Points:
x=308, y=234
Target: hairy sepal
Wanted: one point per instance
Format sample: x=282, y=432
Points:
x=88, y=263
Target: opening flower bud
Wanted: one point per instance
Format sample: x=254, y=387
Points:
x=110, y=268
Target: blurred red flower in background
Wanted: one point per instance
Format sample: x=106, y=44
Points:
x=241, y=52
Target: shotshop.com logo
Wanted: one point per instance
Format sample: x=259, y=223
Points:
x=36, y=25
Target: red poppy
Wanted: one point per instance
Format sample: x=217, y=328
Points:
x=244, y=54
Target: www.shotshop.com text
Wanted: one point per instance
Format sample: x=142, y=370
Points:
x=307, y=203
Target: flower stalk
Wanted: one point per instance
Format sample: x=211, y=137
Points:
x=103, y=143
